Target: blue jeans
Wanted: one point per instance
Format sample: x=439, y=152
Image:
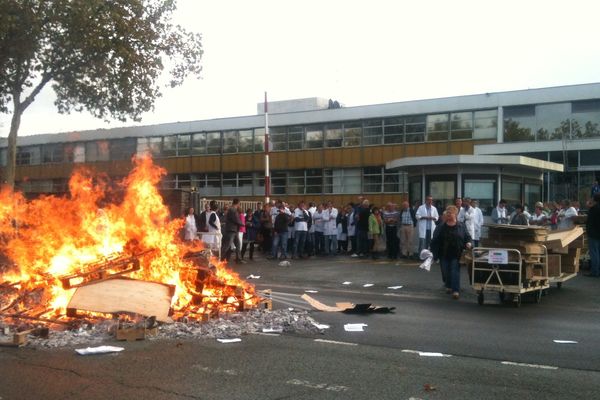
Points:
x=362, y=242
x=300, y=238
x=280, y=241
x=319, y=243
x=451, y=269
x=424, y=242
x=594, y=248
x=330, y=245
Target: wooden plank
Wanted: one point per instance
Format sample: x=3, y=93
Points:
x=125, y=295
x=135, y=333
x=564, y=237
x=554, y=261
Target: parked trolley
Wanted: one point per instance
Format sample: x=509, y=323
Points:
x=509, y=272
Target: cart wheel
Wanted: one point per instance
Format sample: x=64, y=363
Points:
x=517, y=300
x=558, y=285
x=480, y=298
x=501, y=296
x=538, y=296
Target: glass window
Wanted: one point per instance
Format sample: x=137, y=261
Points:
x=586, y=119
x=122, y=149
x=69, y=152
x=372, y=132
x=169, y=148
x=169, y=182
x=589, y=157
x=258, y=184
x=437, y=127
x=199, y=143
x=553, y=121
x=30, y=155
x=278, y=139
x=245, y=144
x=229, y=184
x=183, y=145
x=314, y=137
x=511, y=192
x=295, y=182
x=533, y=194
x=153, y=146
x=184, y=181
x=259, y=140
x=393, y=181
x=210, y=185
x=486, y=124
x=53, y=153
x=79, y=155
x=295, y=137
x=333, y=135
x=244, y=185
x=415, y=128
x=519, y=123
x=314, y=181
x=461, y=125
x=482, y=190
x=342, y=180
x=442, y=192
x=213, y=142
x=99, y=150
x=372, y=179
x=278, y=182
x=352, y=134
x=393, y=130
x=230, y=142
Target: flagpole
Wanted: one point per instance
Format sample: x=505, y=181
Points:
x=267, y=172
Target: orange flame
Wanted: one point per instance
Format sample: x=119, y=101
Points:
x=53, y=236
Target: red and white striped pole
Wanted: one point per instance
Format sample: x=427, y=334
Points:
x=267, y=172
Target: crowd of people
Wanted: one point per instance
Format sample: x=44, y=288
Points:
x=280, y=230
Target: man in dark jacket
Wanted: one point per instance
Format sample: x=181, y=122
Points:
x=233, y=223
x=593, y=231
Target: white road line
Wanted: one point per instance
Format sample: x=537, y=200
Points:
x=426, y=353
x=529, y=365
x=335, y=342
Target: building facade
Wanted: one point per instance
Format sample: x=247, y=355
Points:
x=322, y=152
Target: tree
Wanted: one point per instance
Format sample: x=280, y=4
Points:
x=104, y=56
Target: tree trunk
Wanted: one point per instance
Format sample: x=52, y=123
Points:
x=11, y=152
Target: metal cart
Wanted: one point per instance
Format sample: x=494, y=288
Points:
x=508, y=272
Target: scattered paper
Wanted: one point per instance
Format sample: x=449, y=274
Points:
x=290, y=308
x=367, y=285
x=394, y=287
x=311, y=291
x=565, y=341
x=346, y=283
x=253, y=276
x=354, y=327
x=272, y=330
x=284, y=263
x=320, y=326
x=430, y=354
x=99, y=350
x=229, y=340
x=427, y=256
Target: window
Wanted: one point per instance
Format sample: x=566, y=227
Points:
x=245, y=144
x=486, y=124
x=553, y=121
x=213, y=142
x=169, y=147
x=415, y=128
x=314, y=137
x=333, y=135
x=519, y=123
x=244, y=184
x=69, y=152
x=482, y=190
x=258, y=184
x=511, y=192
x=184, y=181
x=259, y=140
x=586, y=119
x=209, y=184
x=278, y=182
x=295, y=137
x=372, y=179
x=30, y=155
x=342, y=180
x=461, y=125
x=393, y=130
x=230, y=141
x=99, y=151
x=352, y=134
x=52, y=153
x=533, y=194
x=229, y=184
x=394, y=182
x=372, y=132
x=437, y=127
x=3, y=157
x=122, y=149
x=278, y=139
x=589, y=157
x=183, y=145
x=199, y=143
x=295, y=182
x=314, y=181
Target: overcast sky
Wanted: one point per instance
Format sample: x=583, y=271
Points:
x=360, y=52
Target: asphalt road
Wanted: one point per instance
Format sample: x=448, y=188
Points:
x=431, y=347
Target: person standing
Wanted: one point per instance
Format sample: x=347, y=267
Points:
x=351, y=229
x=499, y=215
x=250, y=236
x=191, y=226
x=478, y=222
x=280, y=233
x=319, y=230
x=408, y=221
x=213, y=237
x=266, y=228
x=447, y=245
x=362, y=229
x=330, y=214
x=468, y=215
x=301, y=217
x=426, y=215
x=375, y=230
x=310, y=237
x=342, y=230
x=593, y=232
x=519, y=218
x=391, y=219
x=233, y=223
x=566, y=214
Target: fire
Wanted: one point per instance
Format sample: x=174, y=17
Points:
x=99, y=221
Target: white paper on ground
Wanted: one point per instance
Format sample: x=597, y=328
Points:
x=430, y=354
x=272, y=330
x=565, y=341
x=346, y=283
x=253, y=276
x=229, y=340
x=321, y=326
x=99, y=350
x=427, y=256
x=394, y=287
x=367, y=285
x=354, y=327
x=311, y=291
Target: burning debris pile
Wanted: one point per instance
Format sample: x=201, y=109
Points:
x=106, y=251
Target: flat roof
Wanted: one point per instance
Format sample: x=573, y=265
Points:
x=517, y=161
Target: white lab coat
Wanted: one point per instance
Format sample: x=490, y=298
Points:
x=329, y=220
x=422, y=223
x=478, y=220
x=469, y=220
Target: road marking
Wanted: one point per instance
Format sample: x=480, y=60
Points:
x=218, y=370
x=426, y=353
x=529, y=365
x=335, y=342
x=321, y=386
